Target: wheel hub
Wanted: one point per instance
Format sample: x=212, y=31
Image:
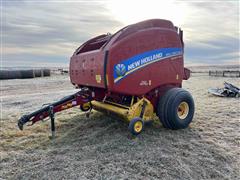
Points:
x=138, y=126
x=183, y=110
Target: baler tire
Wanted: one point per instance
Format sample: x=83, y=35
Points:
x=168, y=108
x=161, y=109
x=133, y=123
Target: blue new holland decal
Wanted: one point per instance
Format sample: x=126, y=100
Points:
x=134, y=63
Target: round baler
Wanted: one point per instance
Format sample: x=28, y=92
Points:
x=135, y=73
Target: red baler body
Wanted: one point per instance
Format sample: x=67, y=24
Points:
x=127, y=73
x=133, y=61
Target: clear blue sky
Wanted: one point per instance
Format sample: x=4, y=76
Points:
x=46, y=33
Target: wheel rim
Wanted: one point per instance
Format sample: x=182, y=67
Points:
x=183, y=110
x=138, y=126
x=86, y=106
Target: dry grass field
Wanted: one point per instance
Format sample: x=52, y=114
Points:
x=100, y=147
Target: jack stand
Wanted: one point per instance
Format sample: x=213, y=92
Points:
x=89, y=112
x=52, y=117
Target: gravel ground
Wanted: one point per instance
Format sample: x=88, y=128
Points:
x=100, y=147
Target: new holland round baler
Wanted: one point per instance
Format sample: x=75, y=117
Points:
x=135, y=73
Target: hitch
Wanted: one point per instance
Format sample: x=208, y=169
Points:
x=23, y=120
x=79, y=98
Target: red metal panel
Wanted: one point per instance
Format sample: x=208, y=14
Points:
x=88, y=69
x=141, y=81
x=135, y=41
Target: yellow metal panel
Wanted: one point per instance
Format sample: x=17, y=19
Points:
x=119, y=105
x=127, y=113
x=110, y=108
x=136, y=109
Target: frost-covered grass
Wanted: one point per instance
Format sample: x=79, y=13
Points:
x=100, y=147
